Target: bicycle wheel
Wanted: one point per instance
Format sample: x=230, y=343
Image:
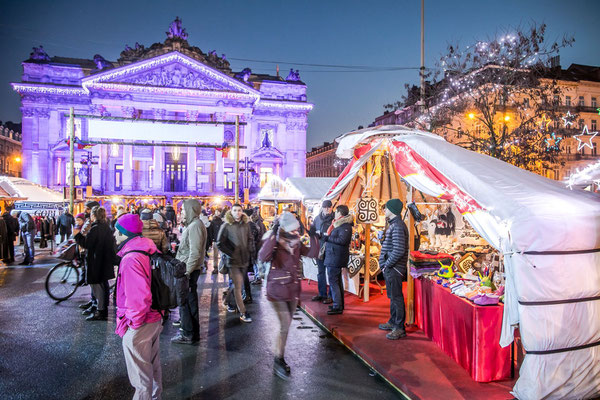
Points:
x=62, y=281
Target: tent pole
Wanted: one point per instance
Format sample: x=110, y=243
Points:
x=72, y=160
x=411, y=246
x=369, y=167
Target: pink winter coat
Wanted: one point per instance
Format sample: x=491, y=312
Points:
x=133, y=286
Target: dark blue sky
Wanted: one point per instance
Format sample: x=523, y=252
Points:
x=378, y=33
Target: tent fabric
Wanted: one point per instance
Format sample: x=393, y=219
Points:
x=19, y=187
x=517, y=212
x=311, y=189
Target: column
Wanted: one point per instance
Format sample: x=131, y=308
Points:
x=127, y=169
x=158, y=164
x=219, y=169
x=191, y=169
x=96, y=177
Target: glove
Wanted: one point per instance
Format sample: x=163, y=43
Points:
x=275, y=227
x=312, y=231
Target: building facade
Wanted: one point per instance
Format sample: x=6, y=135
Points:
x=580, y=87
x=161, y=114
x=321, y=162
x=10, y=152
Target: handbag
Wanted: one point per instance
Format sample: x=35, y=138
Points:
x=279, y=284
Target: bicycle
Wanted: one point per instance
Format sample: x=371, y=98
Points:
x=64, y=278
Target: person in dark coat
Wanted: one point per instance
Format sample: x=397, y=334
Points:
x=101, y=259
x=12, y=230
x=393, y=260
x=215, y=226
x=322, y=224
x=283, y=248
x=65, y=225
x=337, y=253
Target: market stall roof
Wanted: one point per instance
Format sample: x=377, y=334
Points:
x=279, y=190
x=311, y=189
x=549, y=236
x=24, y=189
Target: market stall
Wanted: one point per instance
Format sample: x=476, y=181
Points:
x=548, y=238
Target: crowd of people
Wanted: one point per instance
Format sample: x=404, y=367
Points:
x=241, y=244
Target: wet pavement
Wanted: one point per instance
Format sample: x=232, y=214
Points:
x=48, y=351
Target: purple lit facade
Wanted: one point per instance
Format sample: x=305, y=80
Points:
x=170, y=81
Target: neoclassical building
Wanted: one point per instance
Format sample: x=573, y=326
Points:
x=154, y=110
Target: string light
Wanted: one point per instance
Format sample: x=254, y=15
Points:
x=568, y=119
x=586, y=133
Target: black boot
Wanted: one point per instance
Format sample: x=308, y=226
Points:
x=98, y=316
x=281, y=369
x=86, y=305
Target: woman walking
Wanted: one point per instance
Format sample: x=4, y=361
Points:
x=283, y=248
x=101, y=259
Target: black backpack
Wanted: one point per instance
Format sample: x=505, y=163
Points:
x=166, y=272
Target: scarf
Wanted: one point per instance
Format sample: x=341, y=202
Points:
x=288, y=241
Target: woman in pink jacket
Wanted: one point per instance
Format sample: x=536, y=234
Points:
x=283, y=248
x=137, y=323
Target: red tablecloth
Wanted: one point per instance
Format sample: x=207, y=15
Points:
x=466, y=332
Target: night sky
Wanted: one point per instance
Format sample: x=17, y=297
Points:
x=379, y=34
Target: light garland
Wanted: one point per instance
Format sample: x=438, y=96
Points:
x=568, y=119
x=584, y=176
x=555, y=146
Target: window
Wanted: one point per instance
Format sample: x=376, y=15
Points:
x=118, y=177
x=581, y=124
x=581, y=101
x=595, y=148
x=567, y=101
x=593, y=125
x=568, y=149
x=556, y=100
x=265, y=175
x=594, y=102
x=227, y=182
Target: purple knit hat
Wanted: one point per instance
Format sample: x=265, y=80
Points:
x=130, y=225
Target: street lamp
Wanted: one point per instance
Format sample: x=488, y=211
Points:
x=471, y=115
x=18, y=159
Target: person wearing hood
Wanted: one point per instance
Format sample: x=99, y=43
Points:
x=236, y=241
x=215, y=226
x=27, y=227
x=192, y=248
x=322, y=224
x=137, y=323
x=100, y=260
x=283, y=248
x=12, y=230
x=153, y=231
x=337, y=253
x=393, y=260
x=171, y=215
x=204, y=219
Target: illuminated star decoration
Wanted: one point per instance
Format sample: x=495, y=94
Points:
x=568, y=119
x=587, y=134
x=544, y=122
x=598, y=110
x=553, y=142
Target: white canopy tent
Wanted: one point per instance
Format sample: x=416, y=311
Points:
x=550, y=238
x=39, y=199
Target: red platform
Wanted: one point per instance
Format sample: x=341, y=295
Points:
x=414, y=365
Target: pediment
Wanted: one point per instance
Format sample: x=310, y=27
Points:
x=171, y=70
x=267, y=153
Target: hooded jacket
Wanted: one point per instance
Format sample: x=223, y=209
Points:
x=134, y=297
x=192, y=245
x=288, y=265
x=153, y=232
x=322, y=224
x=26, y=223
x=337, y=244
x=236, y=241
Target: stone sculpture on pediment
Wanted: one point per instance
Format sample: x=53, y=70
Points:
x=175, y=76
x=39, y=54
x=176, y=31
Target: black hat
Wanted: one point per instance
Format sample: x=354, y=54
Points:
x=91, y=204
x=327, y=204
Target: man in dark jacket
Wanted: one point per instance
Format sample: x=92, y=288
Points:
x=215, y=226
x=65, y=225
x=12, y=230
x=337, y=252
x=322, y=224
x=27, y=228
x=393, y=260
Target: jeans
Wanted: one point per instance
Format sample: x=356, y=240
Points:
x=285, y=311
x=322, y=279
x=28, y=245
x=393, y=283
x=336, y=286
x=100, y=295
x=188, y=312
x=237, y=275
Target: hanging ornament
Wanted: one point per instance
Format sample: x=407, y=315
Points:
x=553, y=142
x=568, y=119
x=586, y=133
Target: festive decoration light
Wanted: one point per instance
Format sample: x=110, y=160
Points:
x=586, y=133
x=553, y=142
x=544, y=122
x=568, y=119
x=18, y=159
x=584, y=176
x=471, y=115
x=507, y=118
